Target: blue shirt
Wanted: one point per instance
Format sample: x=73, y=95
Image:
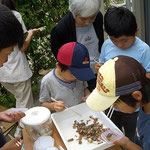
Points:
x=142, y=137
x=139, y=51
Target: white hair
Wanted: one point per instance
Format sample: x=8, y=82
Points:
x=84, y=8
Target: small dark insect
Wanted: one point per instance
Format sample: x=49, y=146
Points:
x=70, y=140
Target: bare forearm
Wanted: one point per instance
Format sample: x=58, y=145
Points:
x=86, y=92
x=26, y=42
x=127, y=144
x=48, y=105
x=132, y=146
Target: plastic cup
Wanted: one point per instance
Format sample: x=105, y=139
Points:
x=111, y=135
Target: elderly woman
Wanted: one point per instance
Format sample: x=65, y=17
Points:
x=83, y=24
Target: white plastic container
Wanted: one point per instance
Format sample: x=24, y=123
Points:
x=111, y=135
x=37, y=122
x=64, y=123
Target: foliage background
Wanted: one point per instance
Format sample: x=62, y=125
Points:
x=37, y=13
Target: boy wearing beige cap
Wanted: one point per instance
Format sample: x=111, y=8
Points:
x=118, y=79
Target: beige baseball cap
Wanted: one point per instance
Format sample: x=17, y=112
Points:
x=118, y=76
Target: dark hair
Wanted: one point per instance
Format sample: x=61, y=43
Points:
x=11, y=32
x=63, y=67
x=129, y=100
x=119, y=21
x=10, y=4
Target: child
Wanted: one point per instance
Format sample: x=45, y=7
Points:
x=66, y=83
x=127, y=89
x=11, y=33
x=13, y=80
x=120, y=24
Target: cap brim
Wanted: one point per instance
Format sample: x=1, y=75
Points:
x=83, y=74
x=98, y=102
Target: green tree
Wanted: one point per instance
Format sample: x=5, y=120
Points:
x=37, y=13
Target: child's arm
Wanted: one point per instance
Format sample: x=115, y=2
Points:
x=86, y=94
x=127, y=144
x=28, y=39
x=56, y=106
x=14, y=144
x=4, y=116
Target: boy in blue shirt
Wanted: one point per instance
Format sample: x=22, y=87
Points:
x=67, y=82
x=120, y=24
x=122, y=83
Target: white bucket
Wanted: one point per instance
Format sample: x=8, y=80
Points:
x=37, y=122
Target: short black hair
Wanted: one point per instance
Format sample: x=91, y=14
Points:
x=63, y=67
x=129, y=100
x=119, y=21
x=11, y=32
x=11, y=4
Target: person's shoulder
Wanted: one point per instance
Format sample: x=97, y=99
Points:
x=99, y=18
x=99, y=15
x=108, y=42
x=17, y=14
x=64, y=22
x=47, y=77
x=141, y=43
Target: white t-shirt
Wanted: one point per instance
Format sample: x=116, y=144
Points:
x=16, y=69
x=87, y=36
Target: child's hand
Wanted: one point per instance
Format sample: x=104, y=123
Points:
x=14, y=144
x=59, y=106
x=84, y=98
x=14, y=117
x=122, y=142
x=32, y=32
x=97, y=66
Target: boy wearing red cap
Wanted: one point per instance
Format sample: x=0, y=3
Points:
x=67, y=82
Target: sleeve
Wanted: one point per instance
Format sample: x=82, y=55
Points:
x=101, y=40
x=19, y=18
x=45, y=93
x=56, y=41
x=102, y=54
x=23, y=26
x=146, y=144
x=146, y=59
x=2, y=139
x=85, y=84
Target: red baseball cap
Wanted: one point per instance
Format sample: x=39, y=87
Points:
x=75, y=55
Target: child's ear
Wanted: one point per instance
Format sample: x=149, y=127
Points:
x=137, y=95
x=137, y=30
x=57, y=64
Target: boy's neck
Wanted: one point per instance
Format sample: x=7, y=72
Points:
x=146, y=108
x=59, y=75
